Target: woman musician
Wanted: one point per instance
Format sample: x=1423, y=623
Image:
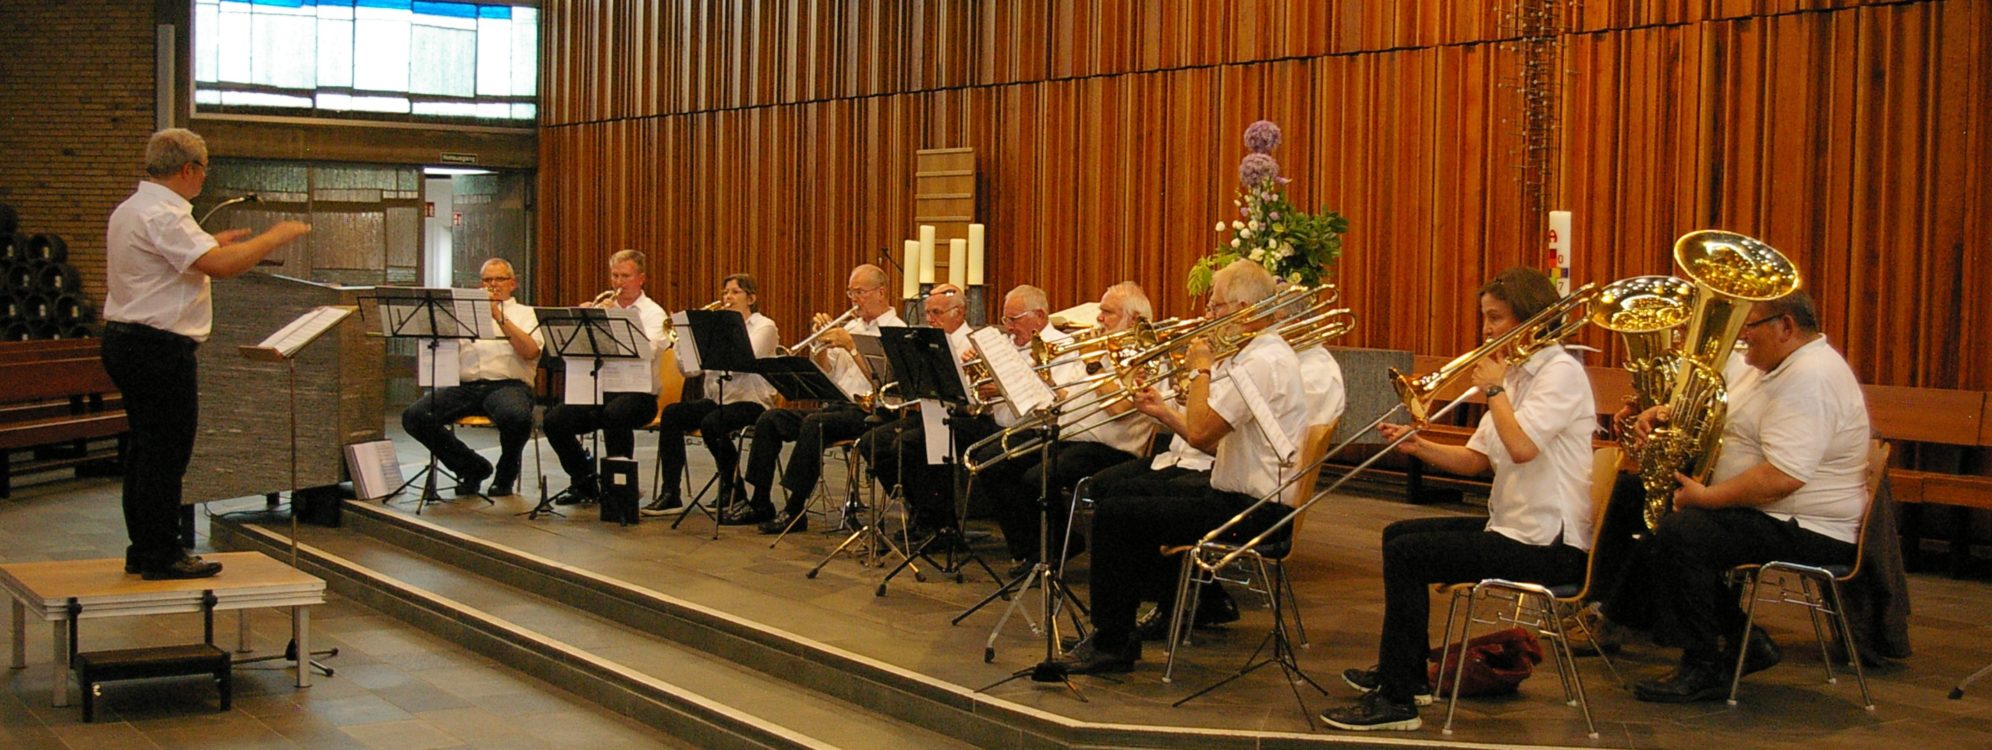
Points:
x=1536, y=439
x=733, y=401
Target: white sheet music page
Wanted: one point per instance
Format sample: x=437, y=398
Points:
x=933, y=418
x=473, y=309
x=305, y=329
x=688, y=350
x=442, y=368
x=1014, y=374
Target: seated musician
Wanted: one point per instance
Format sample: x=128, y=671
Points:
x=1789, y=485
x=1182, y=469
x=621, y=412
x=496, y=381
x=1086, y=444
x=896, y=451
x=811, y=429
x=1231, y=410
x=733, y=401
x=1536, y=438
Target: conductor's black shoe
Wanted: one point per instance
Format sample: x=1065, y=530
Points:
x=132, y=567
x=1373, y=713
x=780, y=523
x=746, y=517
x=185, y=567
x=1098, y=660
x=1366, y=680
x=1691, y=682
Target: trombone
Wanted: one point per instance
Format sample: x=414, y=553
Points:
x=1550, y=326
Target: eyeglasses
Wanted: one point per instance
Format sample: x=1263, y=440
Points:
x=860, y=292
x=1761, y=321
x=1018, y=316
x=496, y=279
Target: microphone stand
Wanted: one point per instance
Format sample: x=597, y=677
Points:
x=250, y=198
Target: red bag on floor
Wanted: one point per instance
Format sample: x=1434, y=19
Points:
x=1496, y=663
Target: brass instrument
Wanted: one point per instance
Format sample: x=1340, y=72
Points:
x=604, y=297
x=1550, y=326
x=671, y=331
x=1136, y=372
x=1645, y=311
x=1731, y=273
x=808, y=342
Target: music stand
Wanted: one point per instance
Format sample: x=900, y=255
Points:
x=284, y=346
x=431, y=316
x=594, y=334
x=720, y=339
x=927, y=367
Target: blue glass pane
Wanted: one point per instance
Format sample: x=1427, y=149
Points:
x=384, y=4
x=452, y=10
x=494, y=11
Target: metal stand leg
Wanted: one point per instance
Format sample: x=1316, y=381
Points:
x=20, y=635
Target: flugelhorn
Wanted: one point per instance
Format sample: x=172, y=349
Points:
x=807, y=342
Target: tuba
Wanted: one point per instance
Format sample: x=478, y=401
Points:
x=1645, y=311
x=1731, y=272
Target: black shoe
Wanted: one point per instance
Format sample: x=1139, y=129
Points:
x=666, y=502
x=133, y=568
x=780, y=523
x=748, y=517
x=504, y=486
x=1760, y=653
x=185, y=567
x=1153, y=626
x=1020, y=569
x=1092, y=659
x=1368, y=681
x=1215, y=607
x=1692, y=682
x=1374, y=713
x=472, y=481
x=580, y=491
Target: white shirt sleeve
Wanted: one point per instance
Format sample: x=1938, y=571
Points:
x=1796, y=430
x=179, y=240
x=1559, y=393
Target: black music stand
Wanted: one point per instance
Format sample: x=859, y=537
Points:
x=720, y=339
x=927, y=367
x=590, y=333
x=430, y=316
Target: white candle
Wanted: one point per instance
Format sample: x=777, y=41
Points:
x=1559, y=250
x=958, y=262
x=926, y=253
x=975, y=254
x=909, y=286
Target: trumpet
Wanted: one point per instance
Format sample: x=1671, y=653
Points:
x=671, y=331
x=603, y=297
x=809, y=342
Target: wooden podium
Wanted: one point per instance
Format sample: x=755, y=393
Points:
x=243, y=444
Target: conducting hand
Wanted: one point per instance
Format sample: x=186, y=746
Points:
x=228, y=237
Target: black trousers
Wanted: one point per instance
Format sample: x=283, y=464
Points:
x=1015, y=486
x=1128, y=536
x=156, y=373
x=1692, y=608
x=618, y=417
x=716, y=425
x=509, y=404
x=810, y=430
x=1134, y=478
x=1423, y=551
x=897, y=453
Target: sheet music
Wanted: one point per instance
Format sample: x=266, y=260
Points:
x=580, y=382
x=374, y=467
x=631, y=335
x=688, y=349
x=473, y=309
x=933, y=418
x=1014, y=373
x=618, y=376
x=443, y=366
x=305, y=329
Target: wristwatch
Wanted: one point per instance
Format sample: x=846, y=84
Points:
x=1201, y=372
x=1494, y=390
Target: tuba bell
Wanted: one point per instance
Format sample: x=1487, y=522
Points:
x=1731, y=272
x=1646, y=311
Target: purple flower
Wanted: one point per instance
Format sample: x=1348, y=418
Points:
x=1262, y=137
x=1256, y=169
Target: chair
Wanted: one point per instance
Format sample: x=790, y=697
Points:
x=1270, y=556
x=1816, y=582
x=1550, y=603
x=1270, y=560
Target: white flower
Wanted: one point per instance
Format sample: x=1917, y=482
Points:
x=1237, y=224
x=1234, y=242
x=1220, y=226
x=1258, y=254
x=1246, y=233
x=1255, y=224
x=1294, y=277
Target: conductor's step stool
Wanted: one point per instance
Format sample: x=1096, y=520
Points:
x=97, y=667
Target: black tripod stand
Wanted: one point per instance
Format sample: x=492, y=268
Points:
x=1053, y=593
x=600, y=336
x=432, y=316
x=929, y=369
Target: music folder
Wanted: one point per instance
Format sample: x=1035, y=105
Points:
x=797, y=379
x=720, y=337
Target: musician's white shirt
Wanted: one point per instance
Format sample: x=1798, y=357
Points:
x=1246, y=459
x=1321, y=379
x=843, y=369
x=1809, y=419
x=653, y=318
x=151, y=245
x=1533, y=502
x=495, y=359
x=746, y=387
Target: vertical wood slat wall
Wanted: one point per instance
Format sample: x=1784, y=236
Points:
x=777, y=137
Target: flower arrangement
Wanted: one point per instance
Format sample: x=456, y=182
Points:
x=1295, y=246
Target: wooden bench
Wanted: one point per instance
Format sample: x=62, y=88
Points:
x=56, y=398
x=1946, y=424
